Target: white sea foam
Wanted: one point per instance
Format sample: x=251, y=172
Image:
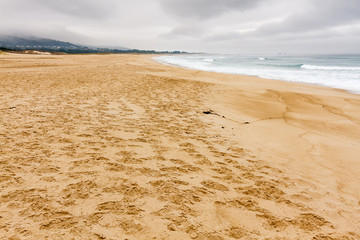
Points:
x=314, y=67
x=338, y=72
x=208, y=60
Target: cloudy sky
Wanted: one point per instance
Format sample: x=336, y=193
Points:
x=216, y=26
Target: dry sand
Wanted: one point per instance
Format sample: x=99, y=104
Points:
x=118, y=147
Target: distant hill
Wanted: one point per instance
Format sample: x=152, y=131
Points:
x=50, y=45
x=33, y=43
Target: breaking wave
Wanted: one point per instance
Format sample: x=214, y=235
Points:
x=314, y=67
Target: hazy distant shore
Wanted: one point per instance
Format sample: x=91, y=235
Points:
x=120, y=146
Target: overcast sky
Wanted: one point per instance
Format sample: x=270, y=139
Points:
x=216, y=26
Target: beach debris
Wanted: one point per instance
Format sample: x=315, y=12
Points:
x=246, y=123
x=208, y=112
x=211, y=112
x=12, y=107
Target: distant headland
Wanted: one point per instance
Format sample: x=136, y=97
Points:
x=30, y=44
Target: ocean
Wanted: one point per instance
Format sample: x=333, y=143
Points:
x=337, y=71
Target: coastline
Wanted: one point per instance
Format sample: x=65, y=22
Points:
x=260, y=75
x=112, y=145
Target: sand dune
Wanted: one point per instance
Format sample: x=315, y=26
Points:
x=121, y=147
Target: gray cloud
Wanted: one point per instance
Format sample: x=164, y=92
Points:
x=186, y=31
x=316, y=25
x=80, y=8
x=318, y=15
x=191, y=25
x=202, y=9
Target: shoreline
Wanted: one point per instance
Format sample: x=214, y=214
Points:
x=299, y=82
x=109, y=146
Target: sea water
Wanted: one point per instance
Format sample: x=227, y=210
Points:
x=337, y=71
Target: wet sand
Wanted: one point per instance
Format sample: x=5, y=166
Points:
x=122, y=147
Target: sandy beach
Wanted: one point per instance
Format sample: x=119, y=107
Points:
x=123, y=147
